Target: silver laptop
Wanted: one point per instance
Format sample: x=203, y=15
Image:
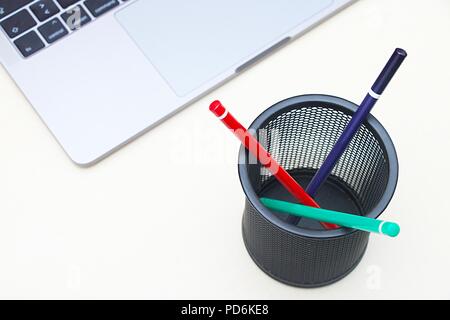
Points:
x=101, y=72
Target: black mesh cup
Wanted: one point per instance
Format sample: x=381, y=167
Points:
x=299, y=133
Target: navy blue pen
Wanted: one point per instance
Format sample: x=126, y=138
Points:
x=355, y=123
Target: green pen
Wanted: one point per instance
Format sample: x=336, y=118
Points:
x=390, y=229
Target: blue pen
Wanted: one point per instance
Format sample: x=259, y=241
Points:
x=355, y=123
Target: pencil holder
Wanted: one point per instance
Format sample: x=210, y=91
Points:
x=299, y=133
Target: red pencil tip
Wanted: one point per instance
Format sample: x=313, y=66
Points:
x=217, y=108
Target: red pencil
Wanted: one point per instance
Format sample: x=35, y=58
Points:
x=265, y=158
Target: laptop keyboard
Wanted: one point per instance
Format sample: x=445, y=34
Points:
x=32, y=25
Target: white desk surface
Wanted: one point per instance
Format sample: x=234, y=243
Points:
x=149, y=222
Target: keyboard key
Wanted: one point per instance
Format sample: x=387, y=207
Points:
x=18, y=23
x=29, y=44
x=99, y=7
x=75, y=18
x=44, y=9
x=9, y=6
x=53, y=30
x=67, y=3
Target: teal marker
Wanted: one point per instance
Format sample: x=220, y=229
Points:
x=343, y=219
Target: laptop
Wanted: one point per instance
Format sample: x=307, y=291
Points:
x=102, y=72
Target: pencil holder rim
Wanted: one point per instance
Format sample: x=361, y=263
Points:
x=347, y=107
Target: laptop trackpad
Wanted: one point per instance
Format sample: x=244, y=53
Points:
x=191, y=42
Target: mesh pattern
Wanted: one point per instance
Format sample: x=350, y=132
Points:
x=303, y=137
x=299, y=137
x=300, y=261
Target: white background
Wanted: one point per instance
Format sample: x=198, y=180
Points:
x=162, y=217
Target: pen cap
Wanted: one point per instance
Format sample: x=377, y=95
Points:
x=389, y=71
x=299, y=133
